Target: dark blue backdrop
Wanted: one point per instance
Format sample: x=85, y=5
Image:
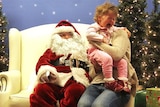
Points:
x=27, y=13
x=23, y=14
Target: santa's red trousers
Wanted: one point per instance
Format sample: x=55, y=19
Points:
x=47, y=95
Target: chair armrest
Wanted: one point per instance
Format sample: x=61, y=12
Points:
x=10, y=81
x=3, y=84
x=14, y=49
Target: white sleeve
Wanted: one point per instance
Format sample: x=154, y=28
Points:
x=92, y=34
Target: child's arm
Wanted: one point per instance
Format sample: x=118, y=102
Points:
x=92, y=35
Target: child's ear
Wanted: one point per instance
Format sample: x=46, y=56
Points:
x=99, y=18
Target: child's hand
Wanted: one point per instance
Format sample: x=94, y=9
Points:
x=105, y=40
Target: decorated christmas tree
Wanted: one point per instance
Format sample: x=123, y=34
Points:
x=133, y=16
x=151, y=73
x=144, y=39
x=154, y=23
x=3, y=47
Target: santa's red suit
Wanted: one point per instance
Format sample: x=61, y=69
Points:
x=70, y=80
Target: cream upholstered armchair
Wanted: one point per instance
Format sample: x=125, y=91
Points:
x=25, y=48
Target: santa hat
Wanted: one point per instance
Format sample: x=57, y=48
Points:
x=65, y=26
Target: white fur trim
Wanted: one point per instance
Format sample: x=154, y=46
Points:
x=123, y=78
x=63, y=29
x=43, y=69
x=79, y=76
x=75, y=46
x=62, y=78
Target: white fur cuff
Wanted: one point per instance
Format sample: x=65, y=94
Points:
x=43, y=69
x=79, y=76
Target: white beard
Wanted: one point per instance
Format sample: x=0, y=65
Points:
x=74, y=46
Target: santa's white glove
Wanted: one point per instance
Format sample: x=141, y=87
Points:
x=48, y=77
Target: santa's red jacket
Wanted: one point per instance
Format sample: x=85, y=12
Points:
x=49, y=62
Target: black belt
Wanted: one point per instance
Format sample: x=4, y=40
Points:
x=102, y=84
x=75, y=63
x=79, y=64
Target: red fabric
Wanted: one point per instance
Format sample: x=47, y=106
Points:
x=72, y=92
x=48, y=58
x=66, y=23
x=87, y=75
x=46, y=95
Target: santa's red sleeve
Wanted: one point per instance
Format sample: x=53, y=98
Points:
x=46, y=63
x=62, y=72
x=48, y=58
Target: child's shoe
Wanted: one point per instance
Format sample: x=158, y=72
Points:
x=126, y=85
x=114, y=86
x=118, y=86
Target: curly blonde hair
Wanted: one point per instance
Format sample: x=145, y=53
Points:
x=103, y=9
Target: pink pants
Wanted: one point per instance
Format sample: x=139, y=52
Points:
x=102, y=60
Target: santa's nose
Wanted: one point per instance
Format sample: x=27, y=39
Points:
x=66, y=36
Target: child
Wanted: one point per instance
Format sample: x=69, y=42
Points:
x=101, y=31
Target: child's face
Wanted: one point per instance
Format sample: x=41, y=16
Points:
x=66, y=35
x=107, y=20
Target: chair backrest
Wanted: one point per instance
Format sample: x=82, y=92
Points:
x=33, y=42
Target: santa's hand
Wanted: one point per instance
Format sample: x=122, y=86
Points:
x=48, y=77
x=45, y=77
x=52, y=78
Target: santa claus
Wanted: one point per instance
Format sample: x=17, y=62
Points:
x=61, y=70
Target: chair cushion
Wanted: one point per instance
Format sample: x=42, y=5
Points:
x=20, y=99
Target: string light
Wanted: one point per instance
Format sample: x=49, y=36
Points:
x=146, y=58
x=3, y=33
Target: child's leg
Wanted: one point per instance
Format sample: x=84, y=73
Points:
x=105, y=61
x=122, y=69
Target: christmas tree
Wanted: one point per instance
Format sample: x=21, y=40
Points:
x=151, y=74
x=132, y=15
x=3, y=47
x=144, y=39
x=154, y=23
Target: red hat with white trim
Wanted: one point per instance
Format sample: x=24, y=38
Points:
x=65, y=26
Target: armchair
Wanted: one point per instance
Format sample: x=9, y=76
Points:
x=25, y=48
